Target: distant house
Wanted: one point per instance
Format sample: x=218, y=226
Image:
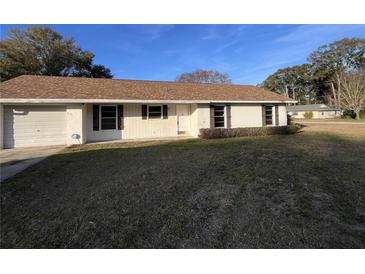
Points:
x=320, y=111
x=46, y=110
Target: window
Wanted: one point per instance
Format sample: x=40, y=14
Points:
x=154, y=112
x=108, y=117
x=218, y=116
x=268, y=115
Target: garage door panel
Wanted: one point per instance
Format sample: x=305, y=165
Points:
x=30, y=128
x=32, y=143
x=29, y=135
x=45, y=122
x=34, y=126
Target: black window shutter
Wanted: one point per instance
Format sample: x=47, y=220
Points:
x=228, y=110
x=120, y=117
x=164, y=112
x=144, y=112
x=95, y=117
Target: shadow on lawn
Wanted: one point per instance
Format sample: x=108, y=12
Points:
x=302, y=191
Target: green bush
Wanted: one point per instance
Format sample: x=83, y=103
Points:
x=348, y=114
x=308, y=115
x=214, y=133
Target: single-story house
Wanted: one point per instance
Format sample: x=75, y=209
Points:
x=320, y=111
x=48, y=110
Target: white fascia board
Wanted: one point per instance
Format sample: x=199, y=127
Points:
x=252, y=102
x=103, y=101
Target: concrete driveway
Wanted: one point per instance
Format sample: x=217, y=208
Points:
x=15, y=160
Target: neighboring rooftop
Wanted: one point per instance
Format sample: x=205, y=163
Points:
x=52, y=87
x=312, y=107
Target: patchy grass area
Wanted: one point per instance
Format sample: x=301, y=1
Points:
x=329, y=120
x=349, y=131
x=294, y=191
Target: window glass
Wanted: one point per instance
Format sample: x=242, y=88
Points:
x=108, y=117
x=154, y=112
x=268, y=115
x=218, y=116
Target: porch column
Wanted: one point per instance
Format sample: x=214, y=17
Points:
x=76, y=124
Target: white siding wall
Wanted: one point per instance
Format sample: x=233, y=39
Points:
x=200, y=118
x=203, y=116
x=298, y=114
x=194, y=120
x=316, y=114
x=283, y=121
x=246, y=116
x=326, y=114
x=134, y=126
x=75, y=116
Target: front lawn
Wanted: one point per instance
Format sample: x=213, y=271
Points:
x=326, y=120
x=296, y=191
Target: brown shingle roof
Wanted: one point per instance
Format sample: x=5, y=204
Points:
x=51, y=87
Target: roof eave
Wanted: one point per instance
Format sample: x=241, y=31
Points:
x=79, y=101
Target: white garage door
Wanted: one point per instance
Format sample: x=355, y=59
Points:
x=26, y=126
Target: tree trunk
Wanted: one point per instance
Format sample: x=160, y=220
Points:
x=338, y=75
x=357, y=114
x=286, y=91
x=334, y=95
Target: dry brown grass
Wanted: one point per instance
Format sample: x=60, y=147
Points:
x=293, y=191
x=356, y=131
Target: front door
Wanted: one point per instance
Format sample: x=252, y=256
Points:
x=183, y=118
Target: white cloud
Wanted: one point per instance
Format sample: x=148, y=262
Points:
x=319, y=33
x=155, y=31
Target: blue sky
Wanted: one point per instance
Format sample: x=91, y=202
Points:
x=248, y=53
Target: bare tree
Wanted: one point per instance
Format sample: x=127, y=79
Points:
x=336, y=88
x=204, y=77
x=351, y=91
